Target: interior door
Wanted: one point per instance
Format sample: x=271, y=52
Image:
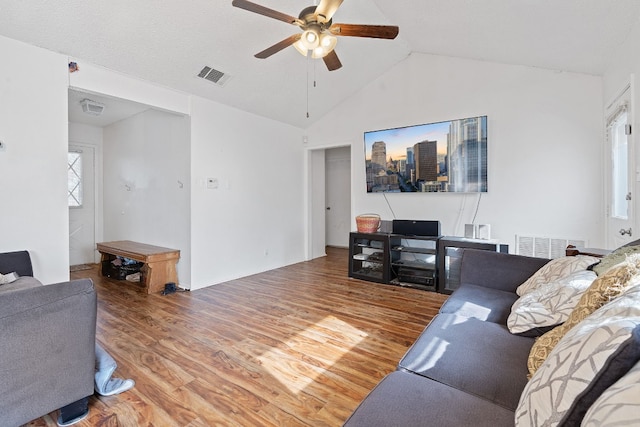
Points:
x=81, y=171
x=621, y=172
x=338, y=196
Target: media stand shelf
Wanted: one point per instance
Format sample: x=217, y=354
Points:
x=369, y=256
x=450, y=250
x=429, y=263
x=414, y=261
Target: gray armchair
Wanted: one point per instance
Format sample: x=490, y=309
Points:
x=47, y=355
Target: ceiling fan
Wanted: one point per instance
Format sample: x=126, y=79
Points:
x=318, y=30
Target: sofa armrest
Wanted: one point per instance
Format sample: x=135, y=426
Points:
x=47, y=356
x=497, y=270
x=20, y=262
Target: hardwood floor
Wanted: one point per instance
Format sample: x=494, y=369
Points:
x=297, y=346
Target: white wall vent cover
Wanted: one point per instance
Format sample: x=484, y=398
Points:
x=91, y=107
x=544, y=247
x=215, y=76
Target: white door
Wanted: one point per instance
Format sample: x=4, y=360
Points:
x=81, y=196
x=338, y=196
x=621, y=172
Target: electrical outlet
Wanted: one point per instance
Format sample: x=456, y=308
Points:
x=3, y=146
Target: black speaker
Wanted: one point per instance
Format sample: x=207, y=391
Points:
x=409, y=227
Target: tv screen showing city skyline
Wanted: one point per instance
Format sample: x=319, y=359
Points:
x=448, y=156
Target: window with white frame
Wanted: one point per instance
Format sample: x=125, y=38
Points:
x=74, y=179
x=616, y=130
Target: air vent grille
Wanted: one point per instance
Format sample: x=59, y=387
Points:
x=92, y=107
x=544, y=247
x=213, y=75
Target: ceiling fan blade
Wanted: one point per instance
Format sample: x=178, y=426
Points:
x=373, y=31
x=327, y=8
x=278, y=46
x=261, y=10
x=331, y=61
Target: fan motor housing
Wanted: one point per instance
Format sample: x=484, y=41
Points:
x=308, y=15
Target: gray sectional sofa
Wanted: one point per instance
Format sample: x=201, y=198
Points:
x=47, y=350
x=466, y=368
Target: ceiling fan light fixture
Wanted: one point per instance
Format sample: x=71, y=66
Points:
x=326, y=43
x=310, y=39
x=316, y=23
x=300, y=48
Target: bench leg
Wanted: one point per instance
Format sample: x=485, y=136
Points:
x=74, y=412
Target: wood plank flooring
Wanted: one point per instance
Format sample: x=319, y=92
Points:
x=297, y=346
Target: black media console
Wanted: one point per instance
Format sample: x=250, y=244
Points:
x=428, y=262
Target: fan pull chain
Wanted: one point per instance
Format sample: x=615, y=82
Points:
x=307, y=85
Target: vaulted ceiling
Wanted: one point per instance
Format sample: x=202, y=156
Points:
x=168, y=42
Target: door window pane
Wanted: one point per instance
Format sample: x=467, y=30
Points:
x=75, y=179
x=620, y=160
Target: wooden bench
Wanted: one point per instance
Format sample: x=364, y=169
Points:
x=159, y=263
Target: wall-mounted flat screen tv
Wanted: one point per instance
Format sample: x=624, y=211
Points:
x=430, y=158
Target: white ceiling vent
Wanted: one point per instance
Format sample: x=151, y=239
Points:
x=215, y=76
x=91, y=107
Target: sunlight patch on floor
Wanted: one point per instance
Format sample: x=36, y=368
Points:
x=296, y=373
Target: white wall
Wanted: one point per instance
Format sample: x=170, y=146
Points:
x=253, y=221
x=33, y=167
x=146, y=183
x=92, y=78
x=544, y=144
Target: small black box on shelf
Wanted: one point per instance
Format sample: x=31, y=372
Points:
x=410, y=227
x=421, y=277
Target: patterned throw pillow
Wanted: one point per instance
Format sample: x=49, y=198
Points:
x=580, y=356
x=617, y=365
x=614, y=258
x=602, y=290
x=555, y=270
x=619, y=405
x=549, y=304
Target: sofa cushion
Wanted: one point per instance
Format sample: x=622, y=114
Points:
x=478, y=357
x=581, y=355
x=603, y=289
x=48, y=349
x=405, y=399
x=479, y=267
x=18, y=261
x=550, y=304
x=23, y=282
x=482, y=303
x=554, y=270
x=619, y=405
